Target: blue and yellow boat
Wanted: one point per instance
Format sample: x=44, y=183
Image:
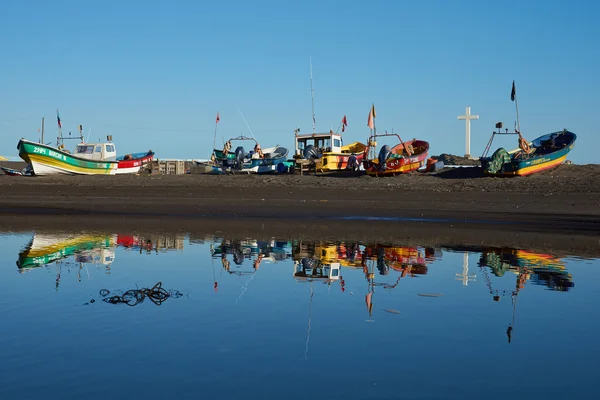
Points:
x=545, y=152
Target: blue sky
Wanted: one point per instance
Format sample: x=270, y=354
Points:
x=154, y=73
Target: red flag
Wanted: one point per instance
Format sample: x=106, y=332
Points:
x=370, y=122
x=344, y=123
x=218, y=119
x=58, y=119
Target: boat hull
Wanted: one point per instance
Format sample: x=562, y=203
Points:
x=47, y=160
x=535, y=163
x=133, y=166
x=336, y=162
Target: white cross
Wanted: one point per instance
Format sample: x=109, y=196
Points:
x=465, y=277
x=468, y=117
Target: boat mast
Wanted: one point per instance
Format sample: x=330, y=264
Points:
x=42, y=130
x=312, y=95
x=513, y=96
x=59, y=136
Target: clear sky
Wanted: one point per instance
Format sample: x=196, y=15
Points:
x=154, y=73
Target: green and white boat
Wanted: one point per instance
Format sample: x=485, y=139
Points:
x=97, y=159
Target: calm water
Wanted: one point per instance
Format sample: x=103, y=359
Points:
x=84, y=316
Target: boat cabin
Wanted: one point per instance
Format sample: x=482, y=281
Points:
x=97, y=151
x=323, y=142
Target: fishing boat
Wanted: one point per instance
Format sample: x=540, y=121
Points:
x=87, y=159
x=242, y=159
x=325, y=153
x=402, y=158
x=543, y=153
x=328, y=153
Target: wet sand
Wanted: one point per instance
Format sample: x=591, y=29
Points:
x=558, y=208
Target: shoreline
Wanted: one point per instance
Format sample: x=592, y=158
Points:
x=555, y=210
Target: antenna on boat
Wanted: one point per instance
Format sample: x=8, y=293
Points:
x=312, y=95
x=246, y=123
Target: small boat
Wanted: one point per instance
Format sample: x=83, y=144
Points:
x=402, y=158
x=13, y=172
x=133, y=163
x=545, y=152
x=328, y=153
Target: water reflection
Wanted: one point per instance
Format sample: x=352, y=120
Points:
x=383, y=265
x=289, y=305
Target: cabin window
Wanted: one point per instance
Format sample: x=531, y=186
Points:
x=84, y=149
x=336, y=143
x=98, y=149
x=110, y=148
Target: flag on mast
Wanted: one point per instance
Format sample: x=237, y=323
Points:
x=344, y=123
x=513, y=92
x=371, y=122
x=218, y=118
x=58, y=119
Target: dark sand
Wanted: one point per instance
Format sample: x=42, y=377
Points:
x=556, y=210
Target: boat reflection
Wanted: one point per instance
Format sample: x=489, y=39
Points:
x=255, y=251
x=540, y=269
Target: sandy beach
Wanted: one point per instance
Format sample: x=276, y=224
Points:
x=559, y=208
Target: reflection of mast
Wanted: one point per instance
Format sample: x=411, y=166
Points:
x=521, y=279
x=309, y=320
x=370, y=291
x=464, y=277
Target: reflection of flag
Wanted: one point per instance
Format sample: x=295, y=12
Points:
x=218, y=119
x=370, y=122
x=368, y=302
x=513, y=92
x=58, y=119
x=344, y=123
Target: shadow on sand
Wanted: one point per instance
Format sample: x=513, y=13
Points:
x=461, y=173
